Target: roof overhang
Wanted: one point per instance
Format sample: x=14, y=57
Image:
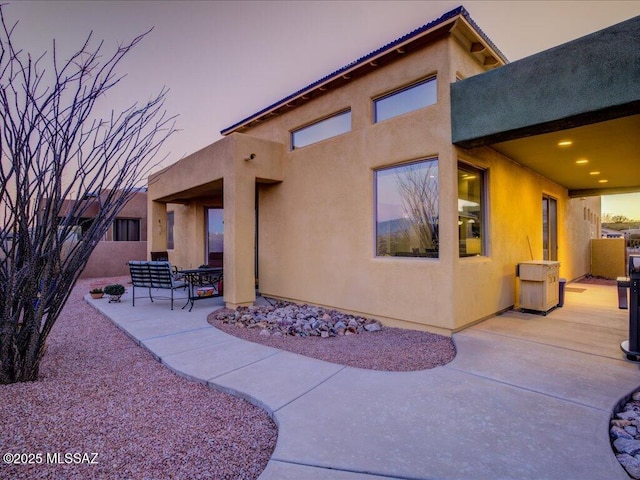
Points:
x=456, y=22
x=586, y=91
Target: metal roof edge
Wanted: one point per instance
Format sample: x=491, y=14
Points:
x=459, y=11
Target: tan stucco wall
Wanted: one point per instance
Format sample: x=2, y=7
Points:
x=109, y=259
x=609, y=257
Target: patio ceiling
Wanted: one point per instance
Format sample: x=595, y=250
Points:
x=210, y=189
x=586, y=91
x=611, y=148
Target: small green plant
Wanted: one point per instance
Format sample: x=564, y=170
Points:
x=115, y=289
x=96, y=290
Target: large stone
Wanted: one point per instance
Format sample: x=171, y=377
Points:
x=630, y=464
x=373, y=327
x=630, y=415
x=625, y=445
x=618, y=432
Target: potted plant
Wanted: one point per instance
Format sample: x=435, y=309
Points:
x=97, y=293
x=114, y=291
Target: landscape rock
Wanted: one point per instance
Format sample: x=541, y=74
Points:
x=625, y=435
x=288, y=319
x=630, y=464
x=628, y=446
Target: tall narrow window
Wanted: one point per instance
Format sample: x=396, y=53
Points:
x=126, y=230
x=549, y=228
x=321, y=130
x=470, y=210
x=215, y=236
x=406, y=100
x=170, y=223
x=407, y=210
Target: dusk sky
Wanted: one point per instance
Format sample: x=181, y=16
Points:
x=225, y=60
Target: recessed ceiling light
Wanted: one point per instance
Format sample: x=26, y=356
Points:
x=565, y=143
x=603, y=181
x=582, y=161
x=594, y=173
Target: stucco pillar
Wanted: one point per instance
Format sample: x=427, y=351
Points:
x=157, y=226
x=239, y=240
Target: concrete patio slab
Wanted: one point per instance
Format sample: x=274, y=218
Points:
x=443, y=424
x=184, y=341
x=584, y=379
x=527, y=397
x=277, y=380
x=551, y=330
x=206, y=363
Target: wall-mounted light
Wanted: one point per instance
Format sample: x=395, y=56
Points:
x=250, y=157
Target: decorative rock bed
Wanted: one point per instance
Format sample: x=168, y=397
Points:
x=625, y=435
x=283, y=318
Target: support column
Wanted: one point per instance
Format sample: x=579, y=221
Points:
x=239, y=240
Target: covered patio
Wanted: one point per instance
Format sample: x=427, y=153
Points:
x=223, y=176
x=589, y=322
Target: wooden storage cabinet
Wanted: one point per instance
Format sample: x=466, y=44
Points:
x=539, y=285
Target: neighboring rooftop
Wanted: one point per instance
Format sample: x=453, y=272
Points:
x=457, y=22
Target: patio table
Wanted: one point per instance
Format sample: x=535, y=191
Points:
x=198, y=278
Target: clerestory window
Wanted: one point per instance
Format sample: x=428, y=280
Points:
x=406, y=100
x=321, y=130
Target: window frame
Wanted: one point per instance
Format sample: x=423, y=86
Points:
x=317, y=124
x=427, y=253
x=117, y=229
x=171, y=216
x=483, y=192
x=400, y=91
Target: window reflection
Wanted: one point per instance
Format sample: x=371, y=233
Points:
x=327, y=128
x=470, y=210
x=407, y=210
x=406, y=100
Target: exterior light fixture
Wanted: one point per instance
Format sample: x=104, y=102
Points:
x=594, y=173
x=582, y=161
x=565, y=143
x=250, y=157
x=603, y=181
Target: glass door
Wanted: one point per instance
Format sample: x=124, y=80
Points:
x=549, y=228
x=215, y=236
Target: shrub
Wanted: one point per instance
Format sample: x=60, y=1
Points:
x=115, y=289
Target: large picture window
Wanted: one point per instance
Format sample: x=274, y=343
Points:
x=126, y=230
x=321, y=130
x=470, y=210
x=406, y=100
x=407, y=210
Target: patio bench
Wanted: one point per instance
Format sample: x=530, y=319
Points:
x=160, y=275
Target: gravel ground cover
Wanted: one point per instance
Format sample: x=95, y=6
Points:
x=100, y=393
x=389, y=349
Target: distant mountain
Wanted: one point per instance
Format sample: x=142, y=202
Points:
x=396, y=225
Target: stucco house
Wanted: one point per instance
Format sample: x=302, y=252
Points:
x=126, y=239
x=409, y=184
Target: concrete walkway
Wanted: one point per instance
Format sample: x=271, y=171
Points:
x=518, y=402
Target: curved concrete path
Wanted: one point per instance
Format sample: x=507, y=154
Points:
x=505, y=408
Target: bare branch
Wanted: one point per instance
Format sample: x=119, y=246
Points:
x=54, y=155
